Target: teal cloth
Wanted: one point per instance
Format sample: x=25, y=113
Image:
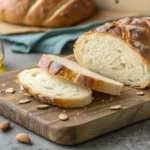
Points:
x=53, y=41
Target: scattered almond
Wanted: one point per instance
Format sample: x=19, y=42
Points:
x=63, y=117
x=24, y=101
x=4, y=125
x=23, y=137
x=27, y=94
x=140, y=93
x=10, y=90
x=116, y=107
x=44, y=106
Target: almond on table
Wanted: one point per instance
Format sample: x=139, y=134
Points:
x=24, y=101
x=63, y=117
x=43, y=106
x=140, y=93
x=116, y=107
x=23, y=137
x=4, y=125
x=10, y=90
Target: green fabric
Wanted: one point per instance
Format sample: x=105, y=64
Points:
x=54, y=41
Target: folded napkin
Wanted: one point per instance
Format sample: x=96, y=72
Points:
x=55, y=41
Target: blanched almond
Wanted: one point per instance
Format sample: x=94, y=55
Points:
x=140, y=93
x=44, y=106
x=116, y=107
x=24, y=101
x=10, y=90
x=63, y=117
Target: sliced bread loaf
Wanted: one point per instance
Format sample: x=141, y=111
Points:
x=73, y=72
x=53, y=90
x=119, y=50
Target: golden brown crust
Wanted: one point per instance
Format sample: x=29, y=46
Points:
x=14, y=11
x=109, y=28
x=45, y=62
x=44, y=12
x=71, y=75
x=134, y=31
x=76, y=11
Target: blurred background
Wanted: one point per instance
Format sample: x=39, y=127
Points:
x=139, y=6
x=25, y=37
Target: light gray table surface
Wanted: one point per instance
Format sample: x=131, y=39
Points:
x=134, y=137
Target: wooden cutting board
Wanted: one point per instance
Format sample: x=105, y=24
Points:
x=83, y=124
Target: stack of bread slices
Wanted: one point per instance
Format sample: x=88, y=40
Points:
x=64, y=83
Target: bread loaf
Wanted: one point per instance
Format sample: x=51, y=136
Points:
x=119, y=50
x=48, y=13
x=52, y=90
x=73, y=72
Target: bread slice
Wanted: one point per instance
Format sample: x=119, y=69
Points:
x=119, y=50
x=73, y=72
x=53, y=90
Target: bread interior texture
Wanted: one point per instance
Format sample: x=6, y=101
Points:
x=49, y=85
x=112, y=57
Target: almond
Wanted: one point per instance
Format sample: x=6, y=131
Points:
x=116, y=107
x=42, y=106
x=23, y=137
x=10, y=90
x=140, y=93
x=24, y=101
x=63, y=117
x=4, y=125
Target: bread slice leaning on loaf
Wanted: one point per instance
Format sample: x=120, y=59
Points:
x=73, y=72
x=119, y=50
x=53, y=90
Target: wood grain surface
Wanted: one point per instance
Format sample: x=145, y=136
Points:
x=83, y=123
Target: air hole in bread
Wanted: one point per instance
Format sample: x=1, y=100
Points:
x=86, y=41
x=122, y=65
x=58, y=94
x=119, y=51
x=48, y=87
x=35, y=74
x=130, y=80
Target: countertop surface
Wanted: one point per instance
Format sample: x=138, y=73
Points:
x=135, y=137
